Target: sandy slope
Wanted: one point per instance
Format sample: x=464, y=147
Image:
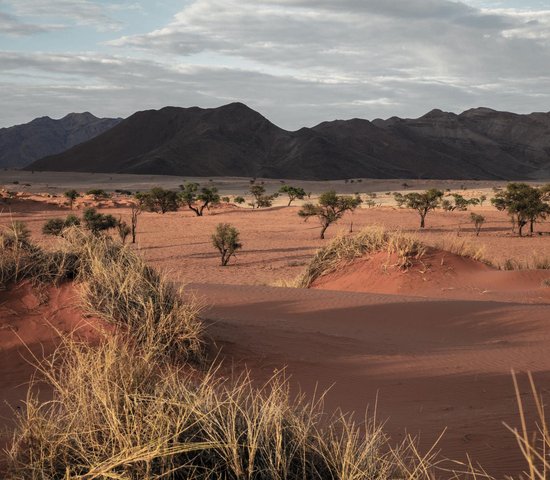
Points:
x=432, y=363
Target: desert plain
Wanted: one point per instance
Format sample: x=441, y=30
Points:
x=430, y=348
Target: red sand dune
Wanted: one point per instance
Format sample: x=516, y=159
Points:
x=29, y=331
x=438, y=274
x=434, y=363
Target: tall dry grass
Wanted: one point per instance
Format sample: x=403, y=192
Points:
x=116, y=415
x=20, y=259
x=344, y=249
x=118, y=286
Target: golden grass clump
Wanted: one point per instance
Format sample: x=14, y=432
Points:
x=21, y=260
x=463, y=247
x=344, y=249
x=119, y=287
x=117, y=415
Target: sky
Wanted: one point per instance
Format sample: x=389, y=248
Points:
x=298, y=62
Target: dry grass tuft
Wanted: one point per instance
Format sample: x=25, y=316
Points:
x=463, y=247
x=116, y=415
x=21, y=260
x=119, y=287
x=344, y=249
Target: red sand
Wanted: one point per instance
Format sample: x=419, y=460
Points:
x=30, y=323
x=434, y=364
x=438, y=351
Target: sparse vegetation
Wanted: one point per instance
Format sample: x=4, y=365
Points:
x=478, y=221
x=158, y=200
x=239, y=200
x=197, y=198
x=524, y=204
x=261, y=200
x=98, y=193
x=97, y=222
x=226, y=240
x=55, y=226
x=123, y=230
x=71, y=196
x=423, y=203
x=344, y=249
x=330, y=209
x=293, y=193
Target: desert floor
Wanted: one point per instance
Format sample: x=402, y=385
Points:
x=435, y=352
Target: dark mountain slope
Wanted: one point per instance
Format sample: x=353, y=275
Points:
x=234, y=140
x=22, y=144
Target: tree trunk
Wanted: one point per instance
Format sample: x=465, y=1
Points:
x=323, y=230
x=531, y=227
x=422, y=220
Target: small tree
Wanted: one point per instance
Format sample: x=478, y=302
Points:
x=55, y=226
x=293, y=193
x=330, y=209
x=524, y=204
x=423, y=202
x=478, y=221
x=226, y=240
x=135, y=212
x=197, y=200
x=239, y=200
x=261, y=200
x=97, y=222
x=123, y=230
x=71, y=196
x=158, y=200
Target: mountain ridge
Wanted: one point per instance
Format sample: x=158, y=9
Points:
x=22, y=144
x=235, y=140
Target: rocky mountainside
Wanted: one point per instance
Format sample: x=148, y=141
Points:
x=23, y=144
x=234, y=140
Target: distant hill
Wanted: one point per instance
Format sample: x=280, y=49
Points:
x=23, y=144
x=234, y=140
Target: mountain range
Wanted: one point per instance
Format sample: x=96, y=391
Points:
x=22, y=144
x=234, y=140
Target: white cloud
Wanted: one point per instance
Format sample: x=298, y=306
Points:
x=298, y=61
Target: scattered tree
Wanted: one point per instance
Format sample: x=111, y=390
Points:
x=197, y=200
x=71, y=196
x=226, y=240
x=482, y=199
x=293, y=193
x=158, y=200
x=423, y=202
x=330, y=209
x=261, y=200
x=478, y=221
x=97, y=222
x=524, y=204
x=225, y=199
x=239, y=200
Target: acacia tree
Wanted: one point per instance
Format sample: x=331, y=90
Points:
x=478, y=221
x=293, y=193
x=524, y=204
x=71, y=196
x=197, y=200
x=261, y=200
x=330, y=209
x=423, y=202
x=226, y=240
x=158, y=200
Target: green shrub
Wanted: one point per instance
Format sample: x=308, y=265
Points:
x=226, y=241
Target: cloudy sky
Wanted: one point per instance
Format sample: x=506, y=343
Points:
x=298, y=62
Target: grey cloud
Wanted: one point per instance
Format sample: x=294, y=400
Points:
x=83, y=12
x=11, y=25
